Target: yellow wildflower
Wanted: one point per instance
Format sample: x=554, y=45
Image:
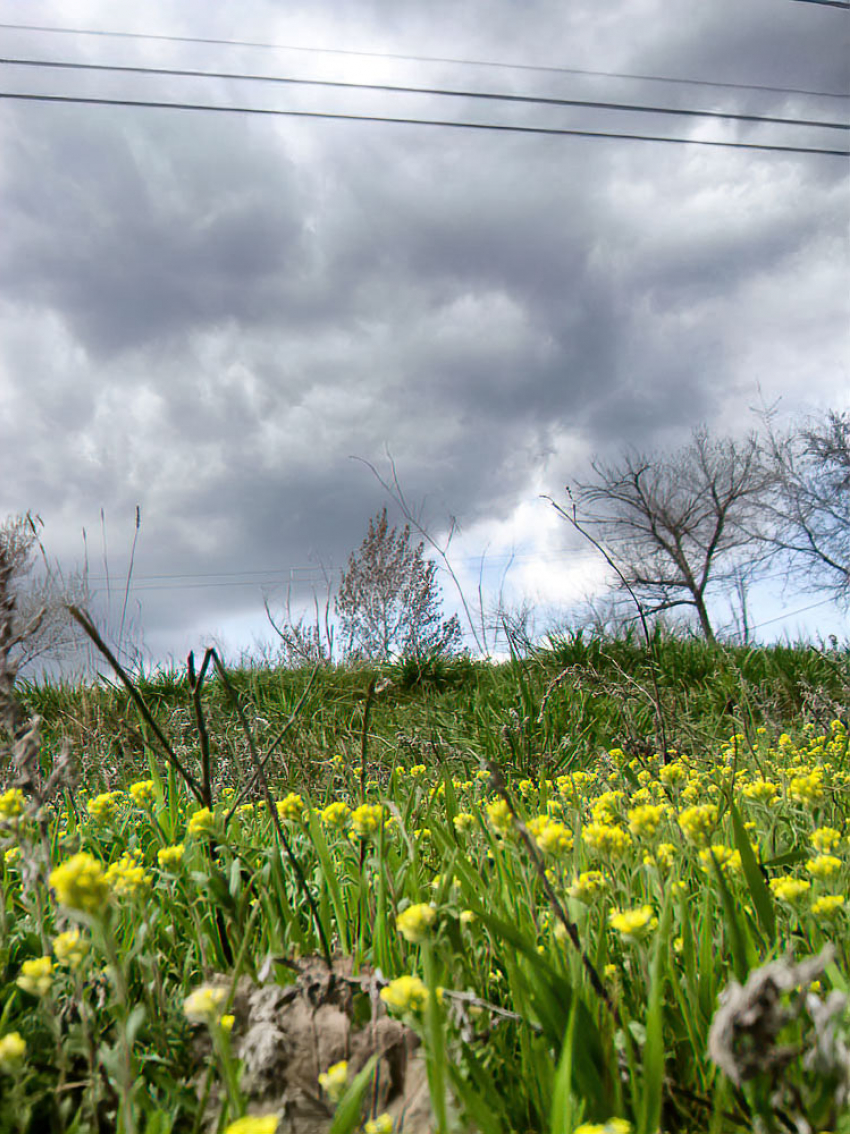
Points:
x=606, y=838
x=500, y=815
x=414, y=922
x=588, y=885
x=824, y=866
x=635, y=924
x=13, y=1048
x=171, y=857
x=201, y=822
x=828, y=906
x=383, y=1124
x=80, y=884
x=336, y=815
x=127, y=877
x=71, y=948
x=142, y=793
x=727, y=859
x=644, y=821
x=674, y=774
x=11, y=806
x=405, y=994
x=789, y=889
x=254, y=1124
x=291, y=807
x=762, y=791
x=825, y=839
x=612, y=1126
x=698, y=823
x=334, y=1080
x=36, y=976
x=204, y=1005
x=807, y=789
x=463, y=821
x=367, y=818
x=104, y=806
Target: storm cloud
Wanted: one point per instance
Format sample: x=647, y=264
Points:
x=209, y=315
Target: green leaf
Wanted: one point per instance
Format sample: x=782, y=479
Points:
x=744, y=956
x=347, y=1115
x=561, y=1115
x=317, y=836
x=652, y=1094
x=759, y=892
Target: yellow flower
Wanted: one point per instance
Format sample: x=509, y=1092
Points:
x=334, y=1080
x=500, y=815
x=383, y=1124
x=463, y=821
x=204, y=1005
x=414, y=922
x=126, y=877
x=828, y=906
x=13, y=1048
x=71, y=948
x=612, y=1126
x=202, y=822
x=588, y=885
x=550, y=835
x=36, y=976
x=824, y=866
x=418, y=770
x=11, y=807
x=291, y=807
x=635, y=924
x=789, y=889
x=405, y=994
x=226, y=1023
x=142, y=793
x=171, y=857
x=254, y=1124
x=605, y=807
x=80, y=884
x=673, y=774
x=336, y=815
x=367, y=818
x=727, y=859
x=698, y=823
x=606, y=839
x=825, y=839
x=12, y=855
x=467, y=917
x=762, y=791
x=644, y=821
x=104, y=806
x=807, y=789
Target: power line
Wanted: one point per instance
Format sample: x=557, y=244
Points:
x=424, y=59
x=828, y=3
x=551, y=131
x=492, y=96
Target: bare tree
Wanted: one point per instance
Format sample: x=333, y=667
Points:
x=306, y=641
x=42, y=630
x=389, y=601
x=809, y=514
x=676, y=527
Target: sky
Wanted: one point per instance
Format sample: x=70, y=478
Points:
x=226, y=319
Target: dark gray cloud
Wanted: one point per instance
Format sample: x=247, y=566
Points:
x=210, y=315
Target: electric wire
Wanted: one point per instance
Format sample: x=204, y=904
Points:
x=550, y=131
x=422, y=59
x=388, y=88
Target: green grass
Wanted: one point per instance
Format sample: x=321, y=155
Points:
x=536, y=1014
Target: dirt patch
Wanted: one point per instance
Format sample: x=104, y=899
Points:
x=288, y=1036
